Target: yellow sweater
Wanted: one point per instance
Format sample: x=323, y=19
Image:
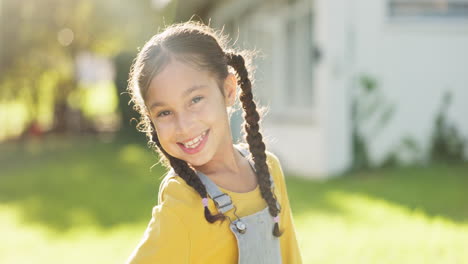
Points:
x=178, y=232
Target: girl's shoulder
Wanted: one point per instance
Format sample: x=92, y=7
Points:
x=272, y=160
x=274, y=166
x=175, y=192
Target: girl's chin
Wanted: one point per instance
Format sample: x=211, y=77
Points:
x=192, y=160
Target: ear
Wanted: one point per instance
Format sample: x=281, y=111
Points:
x=230, y=89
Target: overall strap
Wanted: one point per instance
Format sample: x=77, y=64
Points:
x=222, y=200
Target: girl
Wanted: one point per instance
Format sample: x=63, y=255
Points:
x=219, y=202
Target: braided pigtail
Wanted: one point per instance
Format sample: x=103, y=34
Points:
x=254, y=137
x=182, y=169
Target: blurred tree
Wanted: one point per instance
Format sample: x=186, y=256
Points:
x=123, y=62
x=41, y=39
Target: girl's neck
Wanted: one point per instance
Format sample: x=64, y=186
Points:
x=226, y=161
x=231, y=171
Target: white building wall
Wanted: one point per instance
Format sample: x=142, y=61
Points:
x=414, y=62
x=299, y=148
x=334, y=75
x=300, y=140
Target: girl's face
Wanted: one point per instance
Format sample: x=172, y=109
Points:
x=189, y=113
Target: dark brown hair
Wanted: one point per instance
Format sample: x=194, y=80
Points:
x=203, y=48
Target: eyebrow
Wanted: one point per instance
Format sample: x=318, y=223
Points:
x=186, y=92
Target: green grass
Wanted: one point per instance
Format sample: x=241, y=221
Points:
x=406, y=215
x=88, y=201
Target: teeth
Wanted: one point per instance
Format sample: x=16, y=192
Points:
x=194, y=142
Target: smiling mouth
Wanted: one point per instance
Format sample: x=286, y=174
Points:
x=195, y=142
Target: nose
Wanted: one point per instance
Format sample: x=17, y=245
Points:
x=185, y=124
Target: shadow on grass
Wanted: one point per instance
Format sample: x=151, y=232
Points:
x=437, y=190
x=62, y=184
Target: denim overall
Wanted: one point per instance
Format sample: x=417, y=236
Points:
x=254, y=233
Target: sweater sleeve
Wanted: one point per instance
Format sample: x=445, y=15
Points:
x=165, y=240
x=289, y=246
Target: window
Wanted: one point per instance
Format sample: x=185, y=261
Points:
x=284, y=67
x=284, y=73
x=428, y=8
x=298, y=66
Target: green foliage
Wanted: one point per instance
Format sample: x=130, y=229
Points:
x=39, y=39
x=368, y=107
x=447, y=144
x=370, y=113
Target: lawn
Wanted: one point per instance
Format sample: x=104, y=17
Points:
x=89, y=201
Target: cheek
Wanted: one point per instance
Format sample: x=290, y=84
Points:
x=215, y=112
x=207, y=115
x=164, y=132
x=164, y=136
